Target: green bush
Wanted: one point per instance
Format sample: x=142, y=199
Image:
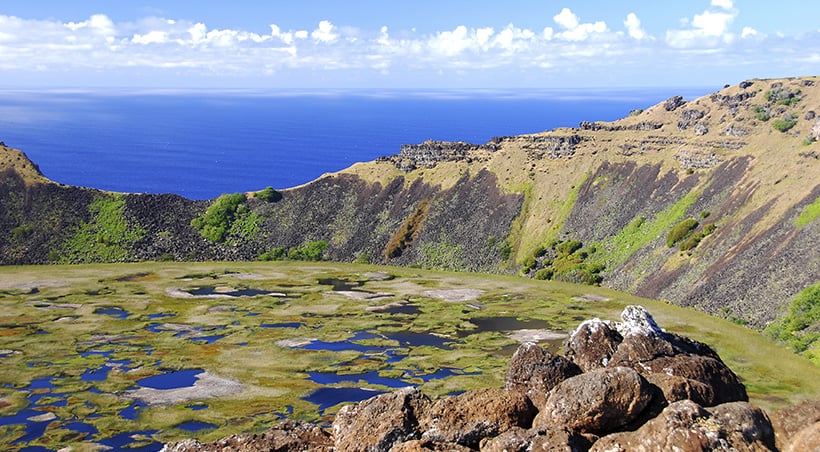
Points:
x=692, y=242
x=783, y=125
x=568, y=247
x=800, y=328
x=681, y=231
x=544, y=274
x=269, y=195
x=275, y=254
x=108, y=237
x=310, y=251
x=762, y=113
x=215, y=223
x=708, y=229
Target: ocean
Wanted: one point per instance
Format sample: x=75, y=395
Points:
x=200, y=144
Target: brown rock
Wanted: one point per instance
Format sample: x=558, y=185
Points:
x=535, y=371
x=600, y=401
x=687, y=427
x=806, y=439
x=675, y=387
x=427, y=446
x=289, y=436
x=711, y=372
x=380, y=422
x=592, y=344
x=743, y=425
x=559, y=440
x=516, y=439
x=468, y=418
x=790, y=421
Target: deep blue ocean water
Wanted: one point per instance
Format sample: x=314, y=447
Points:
x=203, y=144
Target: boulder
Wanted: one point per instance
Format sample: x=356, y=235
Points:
x=592, y=344
x=380, y=422
x=535, y=371
x=686, y=426
x=521, y=440
x=427, y=446
x=796, y=424
x=289, y=436
x=601, y=401
x=468, y=418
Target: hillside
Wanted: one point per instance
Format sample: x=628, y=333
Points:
x=742, y=165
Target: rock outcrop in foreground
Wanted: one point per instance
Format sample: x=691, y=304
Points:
x=621, y=386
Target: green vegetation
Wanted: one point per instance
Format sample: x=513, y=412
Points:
x=681, y=231
x=783, y=96
x=229, y=214
x=762, y=113
x=442, y=256
x=800, y=328
x=565, y=261
x=615, y=250
x=108, y=237
x=809, y=214
x=310, y=251
x=268, y=195
x=784, y=124
x=693, y=241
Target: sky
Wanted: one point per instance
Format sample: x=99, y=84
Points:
x=416, y=44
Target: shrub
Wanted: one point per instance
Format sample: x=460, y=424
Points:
x=680, y=231
x=708, y=229
x=704, y=214
x=310, y=251
x=692, y=242
x=568, y=247
x=800, y=327
x=275, y=254
x=269, y=195
x=762, y=113
x=215, y=223
x=783, y=125
x=544, y=274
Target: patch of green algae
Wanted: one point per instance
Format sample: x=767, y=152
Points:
x=52, y=326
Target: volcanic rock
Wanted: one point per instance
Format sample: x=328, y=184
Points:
x=378, y=423
x=535, y=371
x=600, y=401
x=468, y=418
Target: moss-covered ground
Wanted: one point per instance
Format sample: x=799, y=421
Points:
x=75, y=339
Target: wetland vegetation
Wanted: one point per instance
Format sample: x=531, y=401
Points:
x=139, y=354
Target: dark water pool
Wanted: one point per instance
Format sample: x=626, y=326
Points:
x=195, y=426
x=328, y=397
x=211, y=290
x=171, y=379
x=283, y=325
x=113, y=311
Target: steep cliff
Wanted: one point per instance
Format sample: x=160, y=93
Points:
x=735, y=174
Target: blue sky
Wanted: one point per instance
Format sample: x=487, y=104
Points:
x=403, y=44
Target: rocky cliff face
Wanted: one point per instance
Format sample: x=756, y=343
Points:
x=741, y=164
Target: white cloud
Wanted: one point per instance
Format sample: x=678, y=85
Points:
x=707, y=29
x=152, y=37
x=747, y=32
x=325, y=32
x=189, y=49
x=574, y=30
x=566, y=18
x=633, y=27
